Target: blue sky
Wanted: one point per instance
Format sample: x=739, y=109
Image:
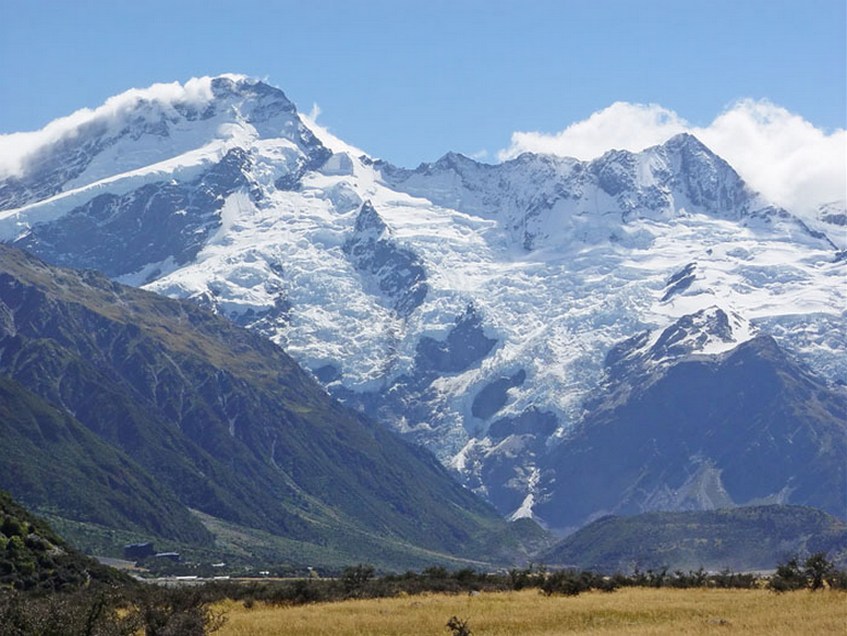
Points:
x=411, y=80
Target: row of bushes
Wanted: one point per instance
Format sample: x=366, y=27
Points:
x=120, y=611
x=361, y=582
x=815, y=573
x=105, y=611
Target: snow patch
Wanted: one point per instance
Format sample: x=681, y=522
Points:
x=524, y=511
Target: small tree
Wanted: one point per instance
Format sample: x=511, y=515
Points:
x=788, y=577
x=817, y=570
x=566, y=582
x=354, y=578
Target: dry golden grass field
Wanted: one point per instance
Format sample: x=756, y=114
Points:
x=626, y=611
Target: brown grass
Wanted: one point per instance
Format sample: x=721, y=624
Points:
x=627, y=611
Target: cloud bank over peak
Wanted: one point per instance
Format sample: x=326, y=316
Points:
x=621, y=126
x=17, y=148
x=778, y=153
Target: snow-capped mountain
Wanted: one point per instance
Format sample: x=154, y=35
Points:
x=472, y=307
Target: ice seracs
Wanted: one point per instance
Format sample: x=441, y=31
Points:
x=470, y=306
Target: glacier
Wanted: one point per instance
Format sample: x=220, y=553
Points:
x=463, y=304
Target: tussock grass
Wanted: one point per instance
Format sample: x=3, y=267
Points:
x=628, y=611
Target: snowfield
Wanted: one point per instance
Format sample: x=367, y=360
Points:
x=557, y=259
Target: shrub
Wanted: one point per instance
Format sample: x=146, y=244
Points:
x=85, y=613
x=838, y=580
x=817, y=569
x=178, y=612
x=354, y=578
x=528, y=577
x=435, y=572
x=788, y=577
x=458, y=626
x=12, y=527
x=732, y=580
x=567, y=582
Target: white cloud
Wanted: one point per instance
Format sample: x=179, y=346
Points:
x=315, y=112
x=780, y=154
x=622, y=126
x=17, y=148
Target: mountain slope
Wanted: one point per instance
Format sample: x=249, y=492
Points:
x=51, y=461
x=748, y=426
x=222, y=417
x=739, y=539
x=34, y=558
x=464, y=304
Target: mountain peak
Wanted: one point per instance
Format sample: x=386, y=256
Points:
x=710, y=331
x=240, y=87
x=204, y=117
x=369, y=220
x=687, y=141
x=453, y=160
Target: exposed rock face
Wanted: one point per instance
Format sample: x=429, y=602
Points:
x=157, y=223
x=397, y=272
x=465, y=346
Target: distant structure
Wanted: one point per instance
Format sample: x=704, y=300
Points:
x=141, y=551
x=138, y=551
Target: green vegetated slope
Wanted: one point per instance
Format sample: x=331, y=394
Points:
x=748, y=538
x=47, y=452
x=186, y=407
x=34, y=558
